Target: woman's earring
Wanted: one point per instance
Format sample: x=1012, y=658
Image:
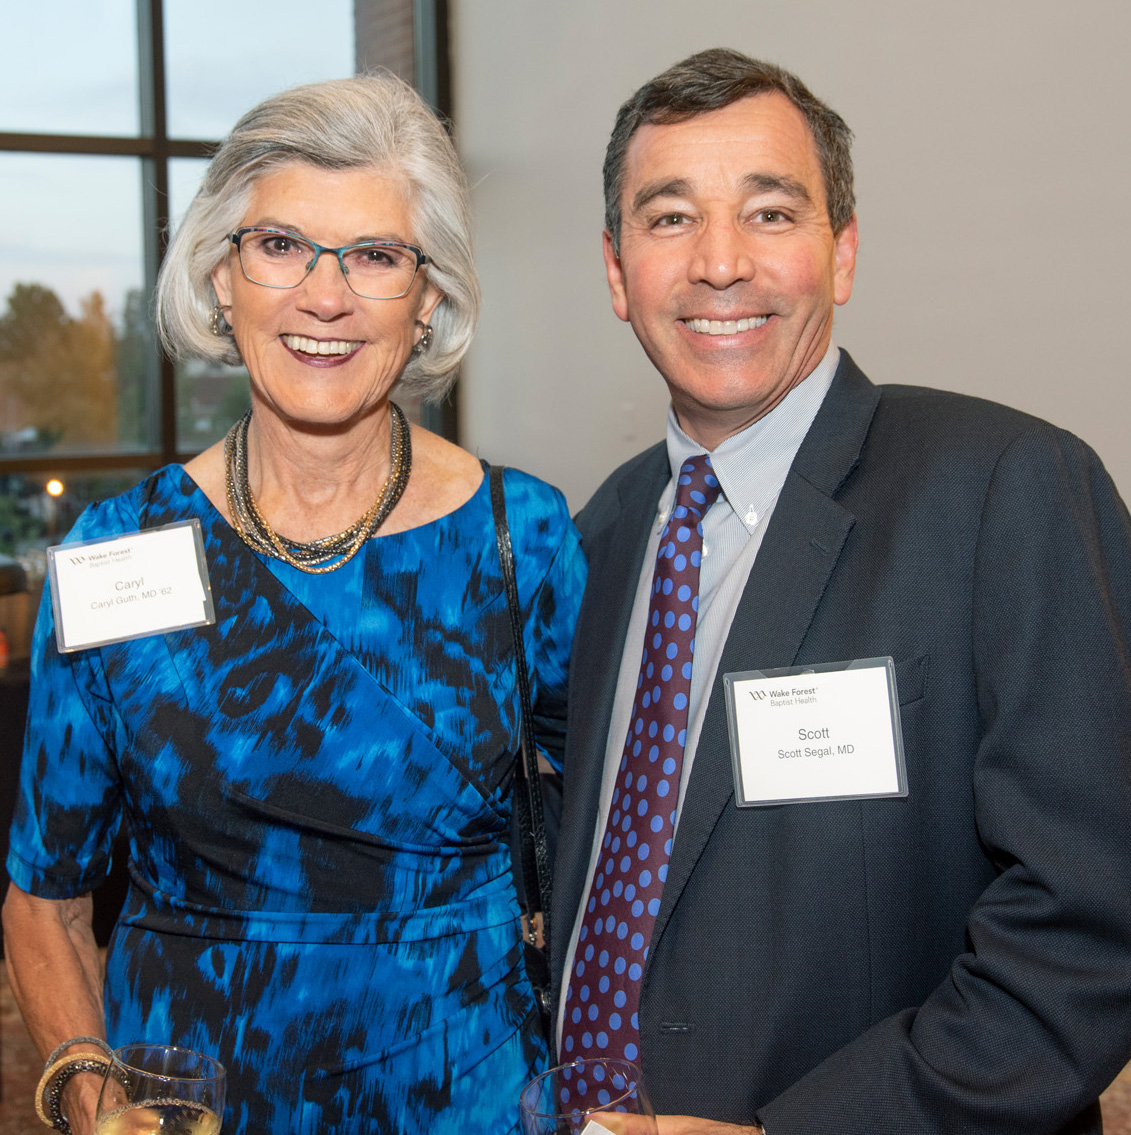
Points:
x=425, y=340
x=218, y=323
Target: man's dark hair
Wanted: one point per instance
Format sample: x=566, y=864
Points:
x=710, y=80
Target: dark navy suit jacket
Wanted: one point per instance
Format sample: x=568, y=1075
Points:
x=958, y=960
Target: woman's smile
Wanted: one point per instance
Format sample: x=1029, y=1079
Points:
x=321, y=352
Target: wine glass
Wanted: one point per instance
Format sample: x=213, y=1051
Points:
x=157, y=1089
x=587, y=1097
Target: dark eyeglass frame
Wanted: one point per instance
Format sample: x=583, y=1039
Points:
x=421, y=258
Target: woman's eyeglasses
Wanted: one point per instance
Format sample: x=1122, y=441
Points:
x=374, y=269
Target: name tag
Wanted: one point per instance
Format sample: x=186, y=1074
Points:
x=825, y=732
x=131, y=586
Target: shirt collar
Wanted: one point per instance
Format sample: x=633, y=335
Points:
x=752, y=464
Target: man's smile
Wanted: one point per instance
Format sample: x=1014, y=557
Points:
x=724, y=326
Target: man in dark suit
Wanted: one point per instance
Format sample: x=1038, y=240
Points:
x=951, y=954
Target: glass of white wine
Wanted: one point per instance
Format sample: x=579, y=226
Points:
x=587, y=1097
x=157, y=1089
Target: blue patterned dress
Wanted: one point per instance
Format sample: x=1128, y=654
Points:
x=316, y=790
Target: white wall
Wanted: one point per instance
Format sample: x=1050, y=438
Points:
x=993, y=185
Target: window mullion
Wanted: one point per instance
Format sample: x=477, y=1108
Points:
x=155, y=197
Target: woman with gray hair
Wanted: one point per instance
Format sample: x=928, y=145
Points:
x=316, y=783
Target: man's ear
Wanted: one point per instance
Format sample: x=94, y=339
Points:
x=844, y=269
x=615, y=274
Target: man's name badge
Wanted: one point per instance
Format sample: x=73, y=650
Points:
x=143, y=583
x=825, y=732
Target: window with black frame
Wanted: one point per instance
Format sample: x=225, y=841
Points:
x=108, y=111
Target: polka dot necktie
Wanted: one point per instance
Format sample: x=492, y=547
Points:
x=616, y=931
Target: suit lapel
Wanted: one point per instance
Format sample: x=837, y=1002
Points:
x=800, y=549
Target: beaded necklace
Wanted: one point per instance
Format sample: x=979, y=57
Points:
x=314, y=556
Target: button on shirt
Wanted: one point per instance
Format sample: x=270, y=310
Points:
x=751, y=467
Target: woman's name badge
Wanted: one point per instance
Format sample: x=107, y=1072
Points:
x=143, y=583
x=826, y=732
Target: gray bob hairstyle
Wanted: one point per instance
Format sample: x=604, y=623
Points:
x=374, y=120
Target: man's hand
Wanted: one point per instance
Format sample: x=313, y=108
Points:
x=689, y=1125
x=620, y=1124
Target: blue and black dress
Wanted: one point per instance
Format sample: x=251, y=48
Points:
x=317, y=795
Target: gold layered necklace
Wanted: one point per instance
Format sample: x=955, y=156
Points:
x=315, y=556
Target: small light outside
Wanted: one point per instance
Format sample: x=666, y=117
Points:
x=54, y=487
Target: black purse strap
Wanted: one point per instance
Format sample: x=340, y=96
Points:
x=535, y=851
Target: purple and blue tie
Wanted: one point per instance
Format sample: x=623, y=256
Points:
x=604, y=988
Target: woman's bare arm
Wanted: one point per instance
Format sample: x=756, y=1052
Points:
x=56, y=976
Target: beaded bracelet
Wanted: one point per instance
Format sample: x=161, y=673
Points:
x=54, y=1080
x=97, y=1041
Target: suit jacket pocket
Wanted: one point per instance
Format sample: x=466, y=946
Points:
x=911, y=678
